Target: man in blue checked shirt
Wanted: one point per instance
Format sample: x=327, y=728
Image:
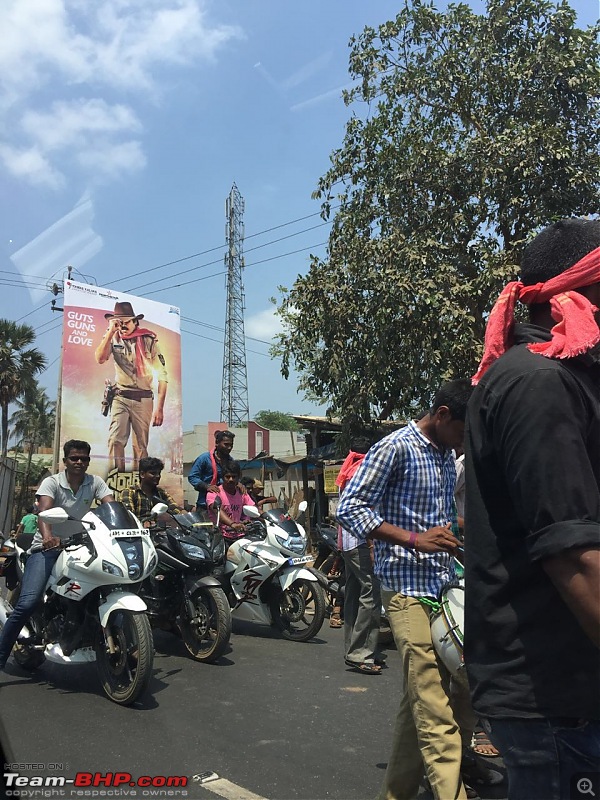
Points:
x=402, y=498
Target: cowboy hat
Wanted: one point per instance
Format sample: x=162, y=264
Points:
x=124, y=309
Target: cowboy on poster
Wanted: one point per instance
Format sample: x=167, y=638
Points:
x=121, y=383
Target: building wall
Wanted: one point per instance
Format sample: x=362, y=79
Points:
x=245, y=446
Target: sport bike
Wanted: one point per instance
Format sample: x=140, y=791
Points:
x=267, y=578
x=87, y=613
x=183, y=595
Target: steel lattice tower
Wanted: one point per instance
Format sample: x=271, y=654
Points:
x=234, y=392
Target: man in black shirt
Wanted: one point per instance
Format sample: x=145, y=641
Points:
x=532, y=519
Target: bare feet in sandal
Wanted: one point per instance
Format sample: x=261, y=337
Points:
x=482, y=745
x=335, y=621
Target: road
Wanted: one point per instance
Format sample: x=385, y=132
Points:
x=274, y=719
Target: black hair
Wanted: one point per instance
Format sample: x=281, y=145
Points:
x=149, y=464
x=232, y=468
x=558, y=247
x=455, y=395
x=76, y=444
x=220, y=435
x=359, y=444
x=31, y=509
x=247, y=481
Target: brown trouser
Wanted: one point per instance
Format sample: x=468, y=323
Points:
x=427, y=734
x=128, y=415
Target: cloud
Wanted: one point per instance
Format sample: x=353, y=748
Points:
x=98, y=53
x=263, y=325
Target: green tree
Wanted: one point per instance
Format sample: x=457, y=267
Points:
x=32, y=425
x=469, y=132
x=19, y=364
x=276, y=421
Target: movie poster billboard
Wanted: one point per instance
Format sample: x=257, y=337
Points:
x=121, y=383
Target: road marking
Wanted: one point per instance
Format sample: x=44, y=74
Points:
x=224, y=788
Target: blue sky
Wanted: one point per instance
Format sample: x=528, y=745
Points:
x=124, y=124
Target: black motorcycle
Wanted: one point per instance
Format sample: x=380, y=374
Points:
x=183, y=595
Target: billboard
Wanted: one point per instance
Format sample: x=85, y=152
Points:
x=121, y=383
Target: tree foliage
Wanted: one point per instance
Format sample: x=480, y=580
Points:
x=468, y=133
x=276, y=421
x=19, y=365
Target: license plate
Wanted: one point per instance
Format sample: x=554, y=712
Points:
x=299, y=560
x=133, y=532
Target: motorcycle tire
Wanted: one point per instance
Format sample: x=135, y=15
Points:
x=27, y=658
x=125, y=674
x=206, y=636
x=299, y=611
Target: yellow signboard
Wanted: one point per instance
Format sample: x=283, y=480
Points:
x=329, y=475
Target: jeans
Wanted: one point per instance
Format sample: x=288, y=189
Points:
x=37, y=571
x=544, y=757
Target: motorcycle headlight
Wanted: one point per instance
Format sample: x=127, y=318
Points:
x=193, y=551
x=297, y=544
x=134, y=556
x=112, y=569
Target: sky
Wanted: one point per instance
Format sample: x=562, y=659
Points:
x=124, y=125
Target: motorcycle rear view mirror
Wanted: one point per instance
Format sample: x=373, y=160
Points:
x=302, y=506
x=159, y=508
x=54, y=516
x=251, y=512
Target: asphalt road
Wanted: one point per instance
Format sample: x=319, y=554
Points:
x=274, y=719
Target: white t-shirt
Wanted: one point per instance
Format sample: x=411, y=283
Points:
x=76, y=505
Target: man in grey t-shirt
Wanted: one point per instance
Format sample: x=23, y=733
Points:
x=74, y=491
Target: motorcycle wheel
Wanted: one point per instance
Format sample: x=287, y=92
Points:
x=299, y=611
x=206, y=636
x=125, y=674
x=27, y=658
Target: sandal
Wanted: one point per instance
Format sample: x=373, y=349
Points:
x=482, y=745
x=367, y=667
x=335, y=621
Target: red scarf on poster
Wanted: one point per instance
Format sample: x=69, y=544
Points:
x=348, y=468
x=141, y=360
x=576, y=330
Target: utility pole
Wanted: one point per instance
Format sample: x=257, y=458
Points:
x=234, y=392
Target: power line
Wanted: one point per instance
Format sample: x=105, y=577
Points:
x=220, y=341
x=223, y=246
x=224, y=272
x=218, y=260
x=221, y=330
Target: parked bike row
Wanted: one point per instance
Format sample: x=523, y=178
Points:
x=114, y=582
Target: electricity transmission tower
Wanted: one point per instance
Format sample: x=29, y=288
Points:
x=234, y=392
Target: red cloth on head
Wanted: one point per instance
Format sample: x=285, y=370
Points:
x=576, y=330
x=141, y=360
x=348, y=468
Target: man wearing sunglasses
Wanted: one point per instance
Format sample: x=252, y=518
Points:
x=74, y=491
x=138, y=359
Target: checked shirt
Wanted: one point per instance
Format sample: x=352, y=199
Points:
x=407, y=481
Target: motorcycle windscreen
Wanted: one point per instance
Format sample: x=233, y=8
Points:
x=115, y=516
x=283, y=519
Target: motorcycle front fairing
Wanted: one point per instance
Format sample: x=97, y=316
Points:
x=117, y=550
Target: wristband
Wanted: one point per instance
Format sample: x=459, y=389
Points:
x=412, y=542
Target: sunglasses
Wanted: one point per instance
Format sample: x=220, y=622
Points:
x=84, y=459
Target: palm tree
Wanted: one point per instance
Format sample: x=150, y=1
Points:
x=19, y=364
x=33, y=426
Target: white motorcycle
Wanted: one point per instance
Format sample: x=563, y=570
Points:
x=267, y=581
x=87, y=613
